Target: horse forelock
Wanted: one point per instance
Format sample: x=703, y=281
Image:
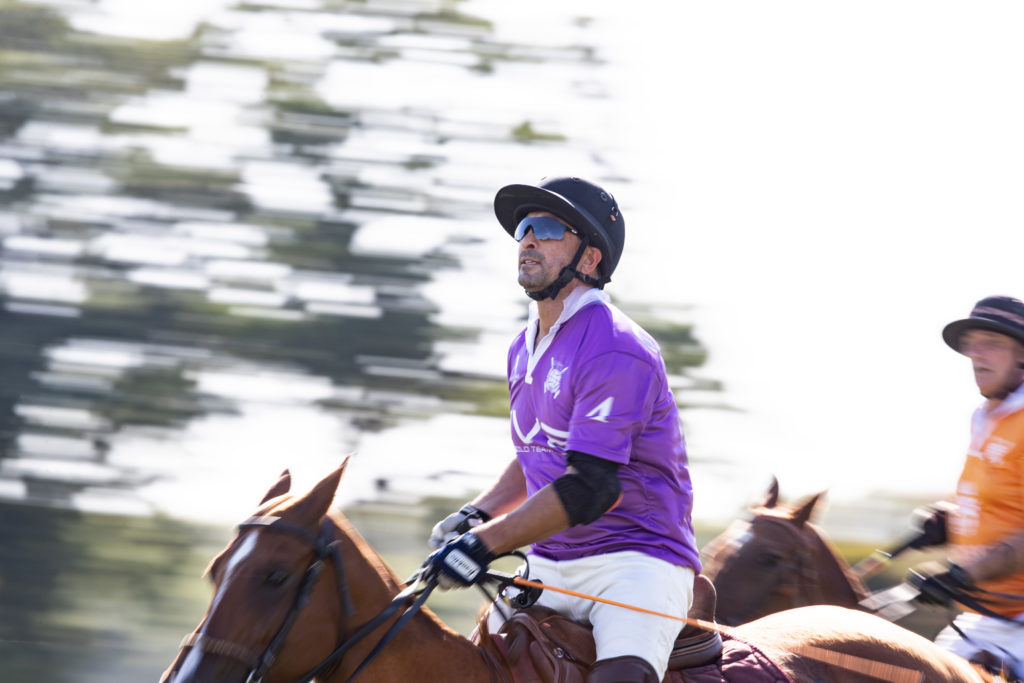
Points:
x=740, y=535
x=780, y=518
x=776, y=526
x=295, y=509
x=272, y=506
x=732, y=538
x=785, y=513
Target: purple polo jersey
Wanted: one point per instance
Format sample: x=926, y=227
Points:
x=596, y=384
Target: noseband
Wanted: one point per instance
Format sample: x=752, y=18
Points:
x=324, y=548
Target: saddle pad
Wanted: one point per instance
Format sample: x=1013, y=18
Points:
x=740, y=662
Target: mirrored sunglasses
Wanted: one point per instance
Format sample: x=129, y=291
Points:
x=544, y=228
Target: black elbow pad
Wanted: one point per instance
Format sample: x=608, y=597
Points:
x=591, y=491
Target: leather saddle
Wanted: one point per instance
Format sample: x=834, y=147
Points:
x=696, y=646
x=539, y=645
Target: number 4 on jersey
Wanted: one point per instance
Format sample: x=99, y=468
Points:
x=602, y=411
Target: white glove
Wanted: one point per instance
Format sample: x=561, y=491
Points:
x=456, y=524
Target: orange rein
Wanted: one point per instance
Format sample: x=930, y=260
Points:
x=706, y=625
x=883, y=671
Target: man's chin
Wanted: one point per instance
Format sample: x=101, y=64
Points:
x=531, y=285
x=995, y=393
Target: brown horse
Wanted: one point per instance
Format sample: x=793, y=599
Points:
x=276, y=617
x=775, y=561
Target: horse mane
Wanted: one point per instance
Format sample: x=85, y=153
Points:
x=348, y=531
x=844, y=570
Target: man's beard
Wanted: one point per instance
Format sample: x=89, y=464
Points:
x=1005, y=389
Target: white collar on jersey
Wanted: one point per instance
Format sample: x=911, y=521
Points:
x=983, y=420
x=578, y=298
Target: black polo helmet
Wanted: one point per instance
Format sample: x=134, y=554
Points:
x=580, y=203
x=1002, y=314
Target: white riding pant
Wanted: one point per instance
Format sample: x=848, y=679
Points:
x=631, y=578
x=1001, y=638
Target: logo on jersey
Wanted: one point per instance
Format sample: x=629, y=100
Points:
x=996, y=450
x=525, y=437
x=553, y=382
x=964, y=520
x=556, y=438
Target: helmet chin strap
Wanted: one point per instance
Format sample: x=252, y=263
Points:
x=565, y=277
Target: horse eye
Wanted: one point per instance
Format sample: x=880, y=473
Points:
x=276, y=577
x=769, y=560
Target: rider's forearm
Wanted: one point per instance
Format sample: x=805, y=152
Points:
x=536, y=519
x=506, y=494
x=1000, y=559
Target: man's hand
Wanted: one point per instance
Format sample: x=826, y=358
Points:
x=460, y=563
x=931, y=521
x=939, y=586
x=457, y=523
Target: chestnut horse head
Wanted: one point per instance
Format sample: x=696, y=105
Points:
x=775, y=561
x=292, y=589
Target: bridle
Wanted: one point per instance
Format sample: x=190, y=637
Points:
x=325, y=547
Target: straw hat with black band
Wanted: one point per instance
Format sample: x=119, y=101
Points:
x=1002, y=314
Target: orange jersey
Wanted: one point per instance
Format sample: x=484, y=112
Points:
x=990, y=498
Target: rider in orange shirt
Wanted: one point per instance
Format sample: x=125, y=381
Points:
x=985, y=529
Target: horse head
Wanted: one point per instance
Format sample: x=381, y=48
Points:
x=299, y=595
x=267, y=593
x=777, y=560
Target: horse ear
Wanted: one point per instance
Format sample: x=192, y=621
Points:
x=317, y=502
x=803, y=514
x=280, y=487
x=771, y=496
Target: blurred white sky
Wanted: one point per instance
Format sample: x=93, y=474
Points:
x=840, y=180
